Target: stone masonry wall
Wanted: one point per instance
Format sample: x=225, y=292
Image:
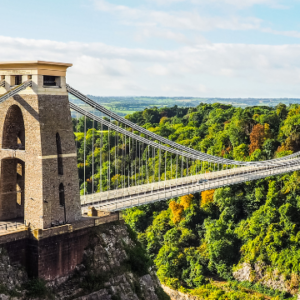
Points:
x=33, y=205
x=44, y=116
x=55, y=117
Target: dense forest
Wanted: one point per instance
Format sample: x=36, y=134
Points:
x=198, y=242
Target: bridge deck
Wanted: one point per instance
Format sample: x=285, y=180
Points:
x=119, y=199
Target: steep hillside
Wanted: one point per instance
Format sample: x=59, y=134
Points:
x=248, y=232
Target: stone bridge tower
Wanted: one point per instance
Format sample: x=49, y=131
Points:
x=38, y=174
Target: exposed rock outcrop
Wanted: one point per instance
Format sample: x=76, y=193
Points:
x=108, y=270
x=11, y=276
x=114, y=267
x=273, y=279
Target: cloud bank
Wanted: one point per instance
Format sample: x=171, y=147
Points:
x=204, y=70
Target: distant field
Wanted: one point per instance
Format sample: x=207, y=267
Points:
x=128, y=105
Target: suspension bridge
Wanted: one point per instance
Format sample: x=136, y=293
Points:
x=137, y=166
x=202, y=171
x=50, y=179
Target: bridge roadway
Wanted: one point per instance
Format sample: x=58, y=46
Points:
x=119, y=199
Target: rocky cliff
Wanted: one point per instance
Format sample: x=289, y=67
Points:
x=114, y=267
x=261, y=273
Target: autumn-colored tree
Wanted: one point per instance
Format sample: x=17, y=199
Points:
x=186, y=200
x=257, y=138
x=287, y=145
x=163, y=120
x=177, y=210
x=207, y=197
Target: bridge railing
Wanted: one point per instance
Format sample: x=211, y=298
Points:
x=116, y=205
x=12, y=226
x=143, y=189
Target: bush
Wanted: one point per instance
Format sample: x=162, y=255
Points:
x=138, y=261
x=93, y=283
x=36, y=288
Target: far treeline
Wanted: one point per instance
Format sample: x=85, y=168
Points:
x=128, y=105
x=211, y=235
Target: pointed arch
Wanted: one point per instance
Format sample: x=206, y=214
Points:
x=13, y=136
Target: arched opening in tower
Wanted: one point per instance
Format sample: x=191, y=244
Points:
x=12, y=187
x=14, y=130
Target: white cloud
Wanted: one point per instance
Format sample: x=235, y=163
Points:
x=291, y=33
x=183, y=20
x=224, y=70
x=165, y=34
x=174, y=25
x=158, y=69
x=240, y=4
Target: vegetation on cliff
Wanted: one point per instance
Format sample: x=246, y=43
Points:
x=213, y=234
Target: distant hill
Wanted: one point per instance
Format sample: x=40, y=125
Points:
x=127, y=105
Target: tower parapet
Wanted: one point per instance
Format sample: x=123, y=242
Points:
x=47, y=77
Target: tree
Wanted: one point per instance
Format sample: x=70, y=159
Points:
x=207, y=197
x=240, y=152
x=257, y=137
x=163, y=120
x=177, y=210
x=270, y=146
x=135, y=218
x=151, y=115
x=186, y=201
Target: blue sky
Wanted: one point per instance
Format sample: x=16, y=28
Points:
x=215, y=48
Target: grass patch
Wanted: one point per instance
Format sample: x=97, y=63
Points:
x=246, y=285
x=92, y=283
x=36, y=288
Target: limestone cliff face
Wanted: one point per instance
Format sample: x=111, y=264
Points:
x=11, y=276
x=272, y=279
x=111, y=269
x=114, y=267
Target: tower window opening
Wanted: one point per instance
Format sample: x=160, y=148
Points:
x=2, y=77
x=59, y=155
x=18, y=79
x=61, y=195
x=51, y=81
